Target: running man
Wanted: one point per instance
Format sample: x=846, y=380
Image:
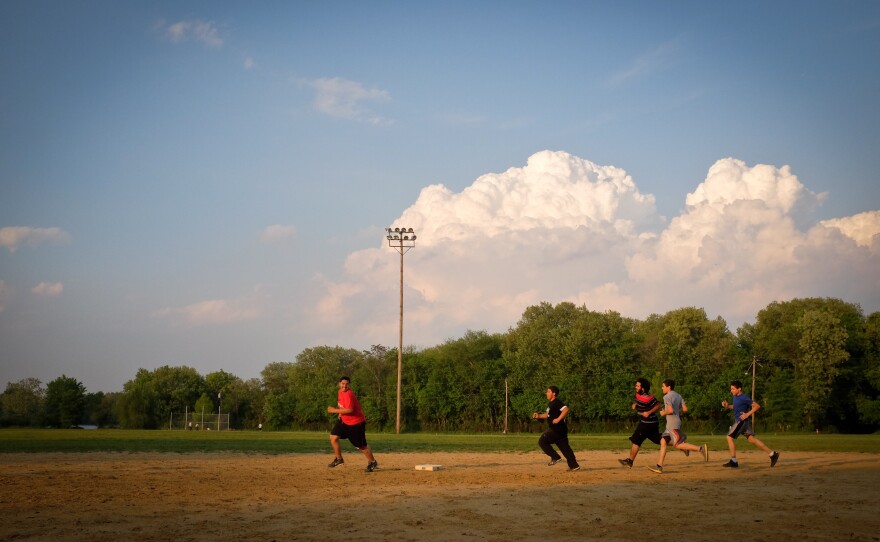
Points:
x=557, y=432
x=743, y=407
x=351, y=425
x=646, y=406
x=673, y=406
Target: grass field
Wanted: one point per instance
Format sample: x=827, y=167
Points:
x=116, y=440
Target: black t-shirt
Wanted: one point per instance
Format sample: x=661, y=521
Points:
x=554, y=410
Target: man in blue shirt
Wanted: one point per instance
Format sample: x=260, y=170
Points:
x=743, y=407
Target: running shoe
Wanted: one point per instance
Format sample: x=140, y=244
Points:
x=731, y=464
x=626, y=462
x=372, y=466
x=575, y=468
x=774, y=458
x=656, y=468
x=554, y=461
x=336, y=462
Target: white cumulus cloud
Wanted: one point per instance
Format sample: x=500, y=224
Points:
x=563, y=228
x=862, y=228
x=13, y=237
x=48, y=289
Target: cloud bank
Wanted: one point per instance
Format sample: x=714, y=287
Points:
x=563, y=228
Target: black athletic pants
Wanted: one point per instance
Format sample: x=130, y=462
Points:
x=551, y=437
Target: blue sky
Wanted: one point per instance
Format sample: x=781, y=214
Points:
x=207, y=184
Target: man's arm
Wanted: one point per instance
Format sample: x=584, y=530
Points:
x=755, y=407
x=343, y=408
x=562, y=415
x=654, y=409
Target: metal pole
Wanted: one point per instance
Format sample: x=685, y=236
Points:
x=219, y=406
x=400, y=344
x=400, y=239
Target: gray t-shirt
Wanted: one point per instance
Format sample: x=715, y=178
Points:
x=674, y=400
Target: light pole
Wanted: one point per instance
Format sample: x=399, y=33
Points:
x=400, y=239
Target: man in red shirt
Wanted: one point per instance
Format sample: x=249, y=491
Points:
x=351, y=425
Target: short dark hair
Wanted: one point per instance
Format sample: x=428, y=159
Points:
x=643, y=382
x=669, y=382
x=554, y=389
x=341, y=378
x=736, y=384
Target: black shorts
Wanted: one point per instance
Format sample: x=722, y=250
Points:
x=356, y=434
x=650, y=431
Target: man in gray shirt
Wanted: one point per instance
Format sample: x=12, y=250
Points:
x=673, y=406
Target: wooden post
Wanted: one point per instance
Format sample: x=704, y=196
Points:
x=754, y=392
x=505, y=405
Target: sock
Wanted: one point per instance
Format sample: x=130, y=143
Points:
x=733, y=459
x=773, y=452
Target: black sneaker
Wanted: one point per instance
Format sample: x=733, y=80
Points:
x=372, y=466
x=575, y=468
x=336, y=462
x=687, y=453
x=626, y=462
x=656, y=468
x=553, y=462
x=731, y=464
x=774, y=458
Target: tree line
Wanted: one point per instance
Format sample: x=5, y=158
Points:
x=817, y=365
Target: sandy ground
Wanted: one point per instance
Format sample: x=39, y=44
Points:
x=502, y=497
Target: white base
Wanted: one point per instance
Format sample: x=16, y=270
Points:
x=429, y=467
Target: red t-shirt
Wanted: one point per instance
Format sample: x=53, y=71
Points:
x=347, y=399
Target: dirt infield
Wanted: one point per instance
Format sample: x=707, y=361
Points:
x=502, y=497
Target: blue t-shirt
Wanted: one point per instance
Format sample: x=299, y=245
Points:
x=742, y=403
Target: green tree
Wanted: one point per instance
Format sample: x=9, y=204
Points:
x=822, y=350
x=65, y=402
x=315, y=376
x=866, y=389
x=136, y=408
x=592, y=357
x=23, y=403
x=790, y=343
x=279, y=401
x=695, y=352
x=373, y=373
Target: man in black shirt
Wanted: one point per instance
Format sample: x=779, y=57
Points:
x=646, y=406
x=557, y=433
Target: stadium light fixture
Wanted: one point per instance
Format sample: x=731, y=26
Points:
x=401, y=240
